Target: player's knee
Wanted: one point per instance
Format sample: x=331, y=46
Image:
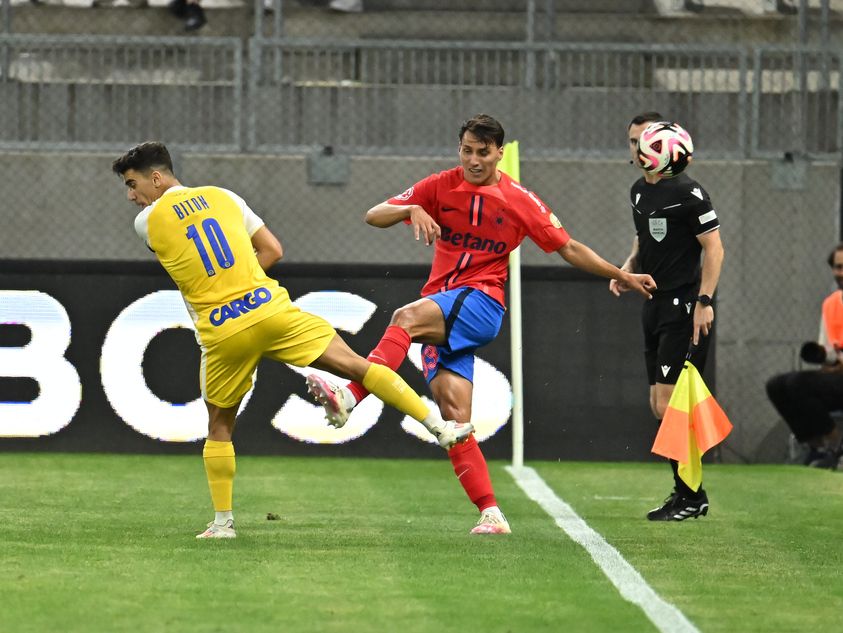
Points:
x=343, y=361
x=220, y=430
x=404, y=317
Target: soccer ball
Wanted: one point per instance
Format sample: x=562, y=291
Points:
x=664, y=148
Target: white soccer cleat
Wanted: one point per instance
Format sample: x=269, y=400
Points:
x=332, y=398
x=492, y=523
x=451, y=433
x=219, y=531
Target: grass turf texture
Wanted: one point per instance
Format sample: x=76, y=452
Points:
x=105, y=543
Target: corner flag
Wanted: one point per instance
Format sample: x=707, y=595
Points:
x=692, y=424
x=510, y=162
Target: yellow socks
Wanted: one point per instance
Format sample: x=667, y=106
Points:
x=219, y=467
x=391, y=388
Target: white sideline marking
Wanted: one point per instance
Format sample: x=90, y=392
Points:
x=624, y=576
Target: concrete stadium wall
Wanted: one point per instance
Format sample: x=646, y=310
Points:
x=777, y=232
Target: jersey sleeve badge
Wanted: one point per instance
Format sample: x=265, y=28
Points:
x=406, y=195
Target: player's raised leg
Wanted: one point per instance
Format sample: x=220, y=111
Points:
x=384, y=383
x=390, y=351
x=420, y=320
x=338, y=401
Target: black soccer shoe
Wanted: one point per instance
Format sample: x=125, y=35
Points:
x=678, y=507
x=825, y=459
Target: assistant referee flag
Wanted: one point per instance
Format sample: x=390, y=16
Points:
x=692, y=424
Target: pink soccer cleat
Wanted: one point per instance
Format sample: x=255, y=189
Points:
x=492, y=522
x=332, y=398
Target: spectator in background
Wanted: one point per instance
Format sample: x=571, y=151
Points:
x=806, y=399
x=191, y=12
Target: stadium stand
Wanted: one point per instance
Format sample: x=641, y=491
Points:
x=643, y=21
x=59, y=86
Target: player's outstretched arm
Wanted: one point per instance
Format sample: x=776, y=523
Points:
x=385, y=215
x=630, y=265
x=582, y=257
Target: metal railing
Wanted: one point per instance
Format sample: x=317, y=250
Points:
x=378, y=97
x=560, y=99
x=796, y=101
x=79, y=92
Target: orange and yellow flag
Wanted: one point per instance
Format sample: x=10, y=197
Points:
x=692, y=424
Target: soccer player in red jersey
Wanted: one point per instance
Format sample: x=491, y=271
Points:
x=474, y=215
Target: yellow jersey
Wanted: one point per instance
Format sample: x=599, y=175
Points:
x=202, y=237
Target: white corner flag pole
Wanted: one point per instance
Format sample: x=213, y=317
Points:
x=511, y=165
x=515, y=347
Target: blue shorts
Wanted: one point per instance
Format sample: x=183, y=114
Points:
x=472, y=319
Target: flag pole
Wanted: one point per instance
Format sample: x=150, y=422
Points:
x=515, y=347
x=512, y=166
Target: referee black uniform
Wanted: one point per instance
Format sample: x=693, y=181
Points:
x=669, y=216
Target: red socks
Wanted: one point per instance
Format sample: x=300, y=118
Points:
x=467, y=458
x=390, y=351
x=473, y=473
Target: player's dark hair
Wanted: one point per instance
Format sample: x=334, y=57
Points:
x=645, y=117
x=837, y=249
x=487, y=129
x=144, y=158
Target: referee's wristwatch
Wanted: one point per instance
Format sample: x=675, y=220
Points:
x=705, y=300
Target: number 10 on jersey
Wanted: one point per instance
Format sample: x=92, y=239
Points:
x=219, y=245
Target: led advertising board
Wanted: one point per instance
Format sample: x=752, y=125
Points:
x=102, y=357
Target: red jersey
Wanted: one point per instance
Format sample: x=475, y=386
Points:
x=480, y=226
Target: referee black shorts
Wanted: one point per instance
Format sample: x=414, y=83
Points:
x=668, y=322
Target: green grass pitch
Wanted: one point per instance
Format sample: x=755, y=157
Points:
x=105, y=543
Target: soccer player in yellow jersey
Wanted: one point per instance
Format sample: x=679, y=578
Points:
x=217, y=250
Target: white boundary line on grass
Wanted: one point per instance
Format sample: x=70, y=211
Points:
x=624, y=576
